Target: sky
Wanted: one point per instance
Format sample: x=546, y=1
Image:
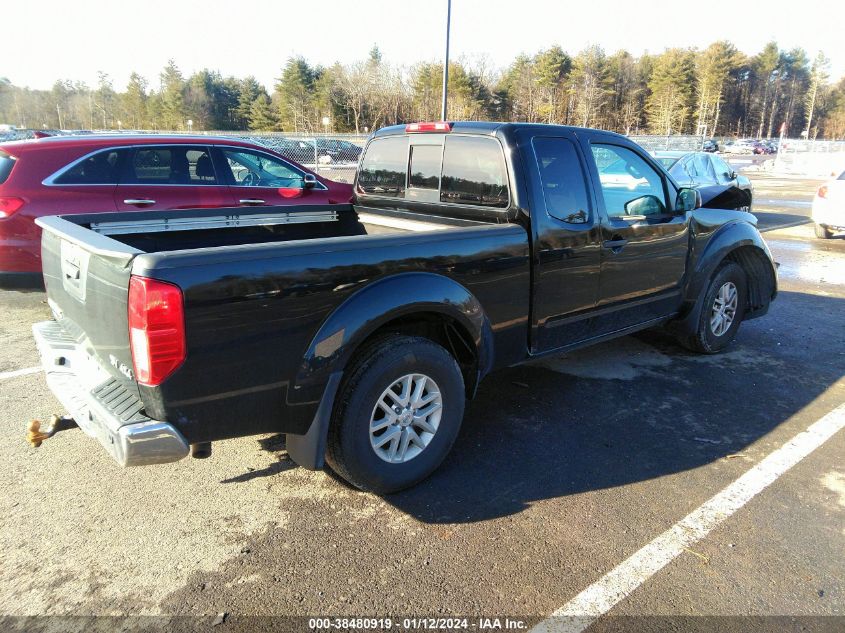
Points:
x=75, y=39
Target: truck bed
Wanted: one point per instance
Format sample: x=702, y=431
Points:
x=259, y=287
x=151, y=232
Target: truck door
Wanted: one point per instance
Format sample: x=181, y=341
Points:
x=566, y=236
x=644, y=242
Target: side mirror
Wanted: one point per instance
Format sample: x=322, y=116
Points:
x=688, y=200
x=644, y=205
x=309, y=181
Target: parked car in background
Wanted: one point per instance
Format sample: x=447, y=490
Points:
x=771, y=145
x=98, y=173
x=763, y=147
x=298, y=150
x=738, y=147
x=829, y=208
x=721, y=187
x=710, y=145
x=337, y=151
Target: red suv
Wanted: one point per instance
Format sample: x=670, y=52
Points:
x=90, y=174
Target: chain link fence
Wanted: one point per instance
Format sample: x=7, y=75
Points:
x=675, y=142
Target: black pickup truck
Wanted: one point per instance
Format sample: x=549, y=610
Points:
x=360, y=330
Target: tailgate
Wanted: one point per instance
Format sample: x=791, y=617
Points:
x=87, y=280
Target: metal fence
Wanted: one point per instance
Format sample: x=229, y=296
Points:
x=679, y=142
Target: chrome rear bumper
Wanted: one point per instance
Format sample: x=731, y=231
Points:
x=102, y=406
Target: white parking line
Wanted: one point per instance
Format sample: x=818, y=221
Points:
x=600, y=597
x=19, y=372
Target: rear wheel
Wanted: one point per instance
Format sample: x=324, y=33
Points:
x=722, y=310
x=822, y=232
x=397, y=415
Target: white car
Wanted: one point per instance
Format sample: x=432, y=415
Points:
x=829, y=207
x=738, y=147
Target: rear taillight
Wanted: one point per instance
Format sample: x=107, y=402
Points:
x=156, y=329
x=436, y=126
x=9, y=206
x=822, y=191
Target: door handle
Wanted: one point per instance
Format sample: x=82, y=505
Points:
x=139, y=201
x=251, y=201
x=615, y=245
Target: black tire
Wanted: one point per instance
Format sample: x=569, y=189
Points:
x=349, y=451
x=822, y=232
x=704, y=340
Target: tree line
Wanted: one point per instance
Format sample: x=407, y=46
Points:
x=717, y=91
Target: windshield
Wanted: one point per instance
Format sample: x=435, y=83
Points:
x=667, y=162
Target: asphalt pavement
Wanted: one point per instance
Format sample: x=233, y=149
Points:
x=564, y=470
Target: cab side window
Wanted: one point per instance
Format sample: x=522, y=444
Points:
x=629, y=185
x=474, y=172
x=562, y=178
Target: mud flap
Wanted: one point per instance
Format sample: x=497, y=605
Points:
x=309, y=450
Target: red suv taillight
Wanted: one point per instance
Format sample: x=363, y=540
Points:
x=156, y=329
x=9, y=205
x=823, y=191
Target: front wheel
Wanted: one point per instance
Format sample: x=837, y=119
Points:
x=397, y=414
x=822, y=232
x=722, y=310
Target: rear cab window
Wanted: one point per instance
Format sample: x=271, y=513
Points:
x=452, y=169
x=384, y=167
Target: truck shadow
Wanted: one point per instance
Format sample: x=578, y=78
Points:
x=630, y=410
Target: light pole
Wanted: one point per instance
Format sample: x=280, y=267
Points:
x=446, y=62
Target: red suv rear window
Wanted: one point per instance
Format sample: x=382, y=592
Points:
x=7, y=161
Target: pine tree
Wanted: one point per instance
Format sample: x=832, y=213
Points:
x=172, y=97
x=713, y=68
x=248, y=91
x=261, y=114
x=135, y=101
x=669, y=104
x=818, y=75
x=295, y=92
x=551, y=67
x=589, y=86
